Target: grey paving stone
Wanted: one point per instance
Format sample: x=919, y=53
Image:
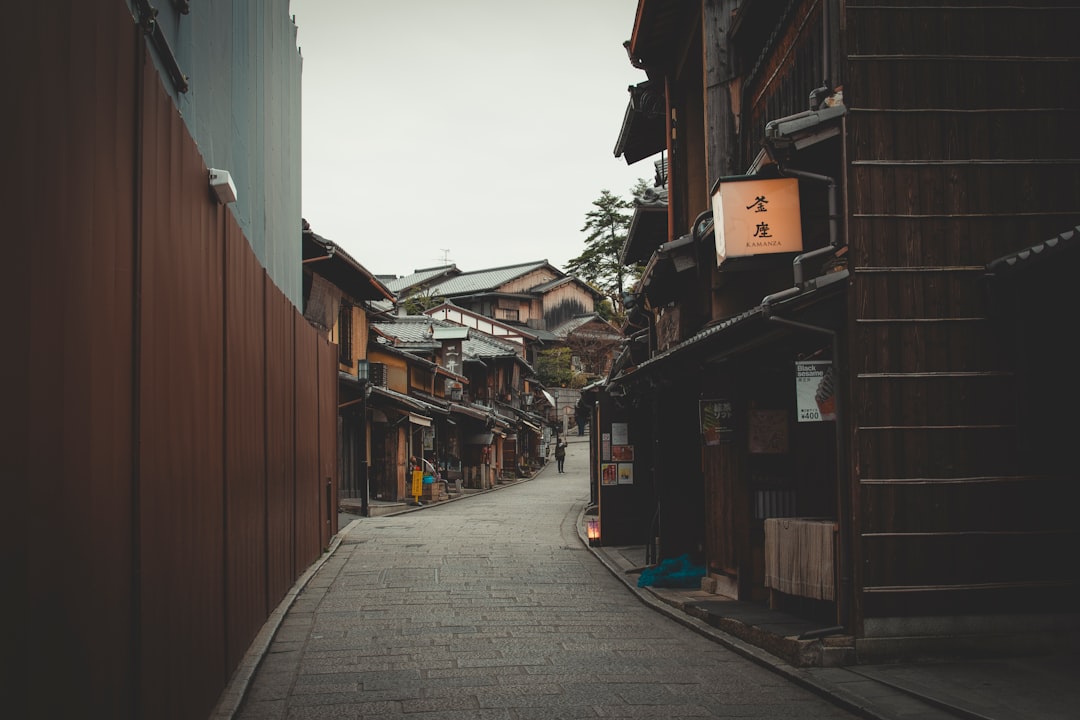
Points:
x=491, y=608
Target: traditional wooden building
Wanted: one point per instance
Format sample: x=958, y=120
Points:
x=338, y=297
x=844, y=379
x=475, y=394
x=534, y=295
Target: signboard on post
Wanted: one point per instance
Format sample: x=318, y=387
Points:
x=417, y=483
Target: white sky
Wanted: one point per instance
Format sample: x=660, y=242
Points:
x=476, y=132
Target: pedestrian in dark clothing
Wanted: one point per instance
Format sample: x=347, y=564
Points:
x=560, y=454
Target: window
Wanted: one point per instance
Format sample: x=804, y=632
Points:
x=345, y=333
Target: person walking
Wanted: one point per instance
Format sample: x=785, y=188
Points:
x=560, y=454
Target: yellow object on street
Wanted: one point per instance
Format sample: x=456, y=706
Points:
x=417, y=483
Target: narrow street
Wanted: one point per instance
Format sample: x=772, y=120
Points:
x=490, y=607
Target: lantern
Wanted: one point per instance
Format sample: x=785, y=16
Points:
x=593, y=531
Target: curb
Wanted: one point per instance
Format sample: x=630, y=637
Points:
x=233, y=695
x=766, y=660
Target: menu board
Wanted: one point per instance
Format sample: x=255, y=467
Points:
x=768, y=432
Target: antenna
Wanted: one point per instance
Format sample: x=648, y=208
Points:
x=446, y=255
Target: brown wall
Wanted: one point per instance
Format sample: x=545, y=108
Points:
x=172, y=416
x=947, y=173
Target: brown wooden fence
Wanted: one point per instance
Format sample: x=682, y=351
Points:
x=169, y=443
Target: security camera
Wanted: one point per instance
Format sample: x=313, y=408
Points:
x=222, y=185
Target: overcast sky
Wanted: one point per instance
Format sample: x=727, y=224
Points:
x=476, y=132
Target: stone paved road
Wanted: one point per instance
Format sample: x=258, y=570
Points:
x=490, y=607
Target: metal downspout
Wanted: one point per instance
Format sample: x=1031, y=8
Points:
x=365, y=478
x=138, y=198
x=834, y=232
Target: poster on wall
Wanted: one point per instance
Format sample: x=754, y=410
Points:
x=605, y=446
x=609, y=473
x=620, y=433
x=717, y=421
x=626, y=473
x=768, y=432
x=624, y=453
x=815, y=392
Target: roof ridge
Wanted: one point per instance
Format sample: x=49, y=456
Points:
x=507, y=267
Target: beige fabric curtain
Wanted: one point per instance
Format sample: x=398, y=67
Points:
x=800, y=557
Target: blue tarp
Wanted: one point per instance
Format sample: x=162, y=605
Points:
x=673, y=573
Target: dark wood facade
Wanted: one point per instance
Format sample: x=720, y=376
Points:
x=960, y=150
x=951, y=148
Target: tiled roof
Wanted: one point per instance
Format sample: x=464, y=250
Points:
x=411, y=329
x=574, y=323
x=484, y=280
x=554, y=283
x=342, y=269
x=418, y=277
x=544, y=335
x=479, y=346
x=1040, y=254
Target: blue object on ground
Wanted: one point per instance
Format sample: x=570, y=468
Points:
x=676, y=572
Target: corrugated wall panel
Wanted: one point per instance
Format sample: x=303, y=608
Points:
x=245, y=446
x=180, y=421
x=280, y=443
x=246, y=71
x=308, y=485
x=65, y=463
x=114, y=462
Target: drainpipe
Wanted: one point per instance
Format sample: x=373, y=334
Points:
x=365, y=477
x=834, y=232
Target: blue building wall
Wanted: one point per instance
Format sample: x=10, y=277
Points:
x=242, y=106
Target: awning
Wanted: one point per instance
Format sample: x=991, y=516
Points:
x=803, y=129
x=648, y=230
x=420, y=420
x=469, y=412
x=739, y=333
x=401, y=402
x=643, y=132
x=660, y=280
x=1035, y=256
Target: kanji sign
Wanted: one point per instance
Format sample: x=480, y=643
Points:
x=757, y=217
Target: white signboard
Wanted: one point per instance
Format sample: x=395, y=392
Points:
x=815, y=390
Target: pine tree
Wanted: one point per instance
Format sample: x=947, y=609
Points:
x=599, y=265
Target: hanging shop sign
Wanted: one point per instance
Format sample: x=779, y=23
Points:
x=756, y=217
x=815, y=390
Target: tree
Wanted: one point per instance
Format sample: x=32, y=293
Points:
x=594, y=351
x=553, y=367
x=420, y=300
x=599, y=264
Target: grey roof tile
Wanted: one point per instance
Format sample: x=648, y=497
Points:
x=483, y=280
